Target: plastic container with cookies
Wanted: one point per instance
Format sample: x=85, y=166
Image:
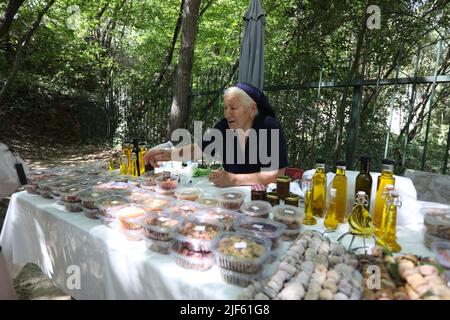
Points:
x=161, y=226
x=437, y=221
x=197, y=233
x=289, y=215
x=225, y=216
x=264, y=228
x=257, y=209
x=239, y=279
x=190, y=194
x=241, y=252
x=190, y=259
x=231, y=199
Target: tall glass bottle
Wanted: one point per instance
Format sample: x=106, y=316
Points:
x=142, y=151
x=319, y=189
x=331, y=222
x=386, y=177
x=364, y=179
x=340, y=184
x=307, y=187
x=389, y=224
x=386, y=196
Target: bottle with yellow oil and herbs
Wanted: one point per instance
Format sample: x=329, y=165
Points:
x=364, y=179
x=388, y=238
x=319, y=189
x=386, y=196
x=340, y=184
x=331, y=222
x=386, y=177
x=142, y=151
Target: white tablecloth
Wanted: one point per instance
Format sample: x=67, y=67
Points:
x=40, y=231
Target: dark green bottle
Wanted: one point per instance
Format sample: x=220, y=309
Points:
x=364, y=179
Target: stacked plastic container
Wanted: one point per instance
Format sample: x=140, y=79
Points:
x=257, y=209
x=231, y=199
x=291, y=217
x=159, y=230
x=240, y=257
x=70, y=198
x=193, y=245
x=437, y=230
x=226, y=217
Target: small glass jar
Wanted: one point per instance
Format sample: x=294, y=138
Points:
x=292, y=199
x=258, y=192
x=273, y=198
x=283, y=184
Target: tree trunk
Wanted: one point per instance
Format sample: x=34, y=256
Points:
x=353, y=69
x=180, y=100
x=21, y=47
x=6, y=21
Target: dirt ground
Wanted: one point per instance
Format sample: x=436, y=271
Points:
x=30, y=283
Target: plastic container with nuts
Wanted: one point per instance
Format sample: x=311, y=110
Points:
x=90, y=213
x=189, y=259
x=208, y=200
x=264, y=228
x=71, y=206
x=185, y=208
x=239, y=279
x=437, y=221
x=161, y=226
x=225, y=216
x=197, y=233
x=166, y=183
x=158, y=246
x=241, y=252
x=108, y=203
x=257, y=209
x=190, y=194
x=289, y=215
x=157, y=203
x=70, y=193
x=89, y=196
x=231, y=199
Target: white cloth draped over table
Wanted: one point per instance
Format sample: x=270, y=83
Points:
x=40, y=231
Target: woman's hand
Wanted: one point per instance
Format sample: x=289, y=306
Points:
x=222, y=178
x=153, y=156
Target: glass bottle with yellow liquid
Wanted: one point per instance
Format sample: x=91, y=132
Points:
x=340, y=184
x=123, y=162
x=307, y=187
x=142, y=151
x=319, y=189
x=386, y=196
x=331, y=222
x=360, y=220
x=364, y=179
x=389, y=224
x=386, y=177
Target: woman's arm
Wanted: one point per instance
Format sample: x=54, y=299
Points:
x=223, y=178
x=188, y=152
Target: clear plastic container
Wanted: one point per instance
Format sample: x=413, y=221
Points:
x=257, y=209
x=428, y=240
x=185, y=208
x=108, y=203
x=290, y=234
x=241, y=252
x=70, y=193
x=442, y=251
x=72, y=206
x=157, y=203
x=159, y=246
x=189, y=259
x=190, y=194
x=231, y=199
x=140, y=195
x=122, y=188
x=166, y=182
x=289, y=215
x=55, y=187
x=89, y=196
x=239, y=279
x=127, y=216
x=161, y=226
x=31, y=188
x=132, y=235
x=90, y=213
x=437, y=221
x=197, y=233
x=208, y=200
x=226, y=217
x=261, y=227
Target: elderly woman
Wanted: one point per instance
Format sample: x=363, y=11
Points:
x=245, y=108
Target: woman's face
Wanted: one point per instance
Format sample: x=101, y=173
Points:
x=238, y=115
